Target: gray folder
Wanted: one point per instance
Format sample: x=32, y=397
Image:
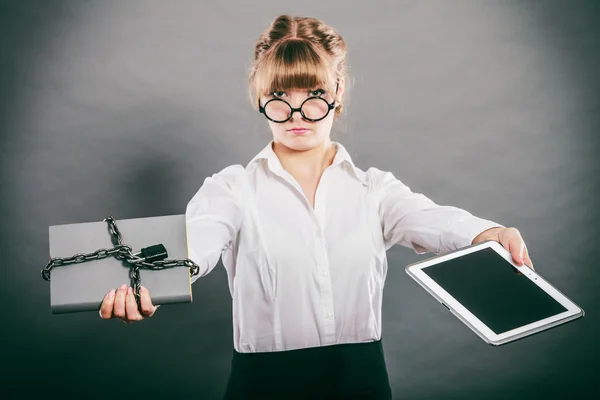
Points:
x=82, y=286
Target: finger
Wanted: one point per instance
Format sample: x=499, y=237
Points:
x=119, y=306
x=148, y=308
x=107, y=305
x=527, y=259
x=133, y=314
x=512, y=243
x=504, y=240
x=516, y=246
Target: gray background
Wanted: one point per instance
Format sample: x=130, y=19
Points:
x=124, y=107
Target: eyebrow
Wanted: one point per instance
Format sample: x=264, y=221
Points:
x=286, y=90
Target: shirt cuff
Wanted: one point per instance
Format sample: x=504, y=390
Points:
x=464, y=234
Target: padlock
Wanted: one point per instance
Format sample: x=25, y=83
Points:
x=153, y=253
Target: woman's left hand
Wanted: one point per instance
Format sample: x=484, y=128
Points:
x=511, y=240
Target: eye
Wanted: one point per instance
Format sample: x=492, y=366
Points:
x=277, y=93
x=317, y=92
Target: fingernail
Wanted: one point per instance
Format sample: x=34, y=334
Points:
x=111, y=294
x=129, y=290
x=123, y=287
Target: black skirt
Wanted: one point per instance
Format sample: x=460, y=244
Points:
x=340, y=371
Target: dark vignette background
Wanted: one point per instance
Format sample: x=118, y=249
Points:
x=125, y=107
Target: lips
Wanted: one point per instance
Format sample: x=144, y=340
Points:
x=298, y=130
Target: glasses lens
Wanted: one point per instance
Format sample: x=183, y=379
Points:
x=315, y=108
x=277, y=110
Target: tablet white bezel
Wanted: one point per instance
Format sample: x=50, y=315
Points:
x=415, y=270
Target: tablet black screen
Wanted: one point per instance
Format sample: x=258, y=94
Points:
x=489, y=287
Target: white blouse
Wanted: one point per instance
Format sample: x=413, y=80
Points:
x=302, y=277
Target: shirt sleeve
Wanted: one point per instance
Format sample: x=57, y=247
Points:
x=415, y=221
x=213, y=218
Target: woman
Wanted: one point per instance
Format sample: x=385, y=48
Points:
x=303, y=233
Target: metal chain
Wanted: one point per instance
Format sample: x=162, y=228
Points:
x=121, y=252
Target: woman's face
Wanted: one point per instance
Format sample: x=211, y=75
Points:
x=315, y=133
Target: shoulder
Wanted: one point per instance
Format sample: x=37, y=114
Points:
x=232, y=172
x=378, y=179
x=232, y=176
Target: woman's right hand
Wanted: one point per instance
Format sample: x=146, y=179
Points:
x=122, y=305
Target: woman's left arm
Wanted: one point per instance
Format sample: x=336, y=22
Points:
x=415, y=221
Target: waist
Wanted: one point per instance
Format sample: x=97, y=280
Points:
x=318, y=352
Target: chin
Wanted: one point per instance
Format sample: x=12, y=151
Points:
x=301, y=142
x=298, y=145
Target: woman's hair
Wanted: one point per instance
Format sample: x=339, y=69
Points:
x=298, y=53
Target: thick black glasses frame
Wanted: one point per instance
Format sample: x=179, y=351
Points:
x=330, y=107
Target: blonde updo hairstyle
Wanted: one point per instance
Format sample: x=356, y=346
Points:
x=298, y=53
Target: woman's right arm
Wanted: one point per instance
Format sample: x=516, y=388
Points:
x=212, y=220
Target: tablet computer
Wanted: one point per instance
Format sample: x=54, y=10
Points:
x=498, y=299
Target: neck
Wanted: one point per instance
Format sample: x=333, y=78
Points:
x=308, y=163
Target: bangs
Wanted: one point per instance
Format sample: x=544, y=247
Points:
x=294, y=64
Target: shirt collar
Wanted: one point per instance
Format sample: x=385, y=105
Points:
x=341, y=156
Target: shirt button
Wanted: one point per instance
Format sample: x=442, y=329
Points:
x=329, y=314
x=324, y=273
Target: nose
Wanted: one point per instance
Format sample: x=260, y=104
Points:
x=297, y=110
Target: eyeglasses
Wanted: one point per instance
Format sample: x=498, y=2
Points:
x=312, y=109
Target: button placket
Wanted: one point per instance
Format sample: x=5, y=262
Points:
x=321, y=258
x=326, y=296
